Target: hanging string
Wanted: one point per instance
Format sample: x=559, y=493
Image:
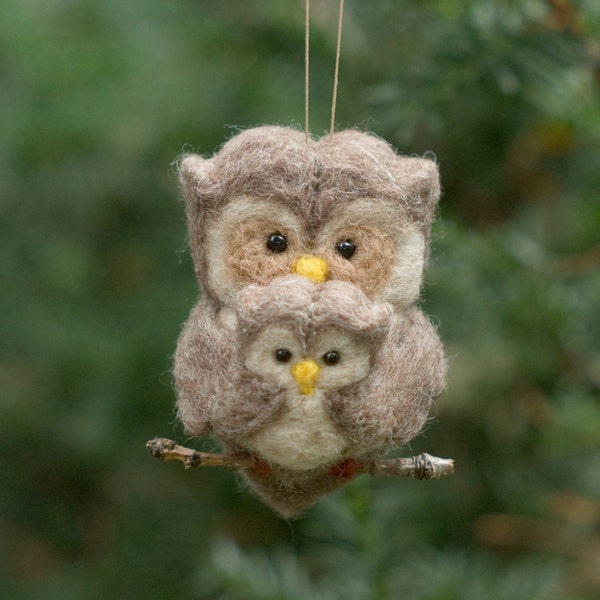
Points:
x=306, y=69
x=337, y=66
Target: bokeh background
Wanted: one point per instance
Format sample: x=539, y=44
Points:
x=97, y=100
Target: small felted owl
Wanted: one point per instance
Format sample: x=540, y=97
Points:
x=307, y=378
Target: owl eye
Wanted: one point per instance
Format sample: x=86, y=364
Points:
x=283, y=355
x=276, y=242
x=331, y=358
x=345, y=248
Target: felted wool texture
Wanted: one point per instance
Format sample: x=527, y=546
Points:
x=302, y=436
x=390, y=256
x=390, y=405
x=229, y=383
x=310, y=321
x=248, y=260
x=313, y=183
x=347, y=186
x=297, y=301
x=216, y=391
x=277, y=162
x=408, y=374
x=289, y=492
x=385, y=410
x=387, y=264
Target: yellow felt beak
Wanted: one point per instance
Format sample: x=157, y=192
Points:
x=313, y=267
x=306, y=373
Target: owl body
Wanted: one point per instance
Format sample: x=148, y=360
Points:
x=313, y=250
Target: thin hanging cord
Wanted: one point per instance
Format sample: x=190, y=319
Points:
x=306, y=69
x=337, y=66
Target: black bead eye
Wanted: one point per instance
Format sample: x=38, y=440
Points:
x=331, y=358
x=345, y=248
x=283, y=355
x=276, y=242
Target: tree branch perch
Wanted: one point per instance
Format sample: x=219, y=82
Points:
x=423, y=466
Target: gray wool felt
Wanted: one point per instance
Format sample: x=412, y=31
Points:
x=272, y=176
x=229, y=383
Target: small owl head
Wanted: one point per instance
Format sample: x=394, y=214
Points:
x=345, y=207
x=307, y=336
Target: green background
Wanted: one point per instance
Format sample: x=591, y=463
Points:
x=98, y=99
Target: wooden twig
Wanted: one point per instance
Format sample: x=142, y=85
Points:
x=423, y=466
x=165, y=449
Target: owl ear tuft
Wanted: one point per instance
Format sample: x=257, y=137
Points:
x=423, y=180
x=192, y=168
x=194, y=178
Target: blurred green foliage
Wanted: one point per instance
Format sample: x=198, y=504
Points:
x=97, y=99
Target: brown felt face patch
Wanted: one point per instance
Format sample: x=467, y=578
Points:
x=370, y=257
x=259, y=250
x=389, y=255
x=238, y=245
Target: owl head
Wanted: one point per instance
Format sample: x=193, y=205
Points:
x=344, y=207
x=299, y=335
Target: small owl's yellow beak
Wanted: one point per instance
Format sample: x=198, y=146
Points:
x=306, y=373
x=313, y=267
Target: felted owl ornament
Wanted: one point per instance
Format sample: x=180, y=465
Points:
x=342, y=222
x=309, y=379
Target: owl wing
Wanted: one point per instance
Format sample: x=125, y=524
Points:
x=414, y=375
x=392, y=404
x=205, y=368
x=215, y=391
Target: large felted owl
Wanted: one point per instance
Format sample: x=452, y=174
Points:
x=308, y=378
x=345, y=207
